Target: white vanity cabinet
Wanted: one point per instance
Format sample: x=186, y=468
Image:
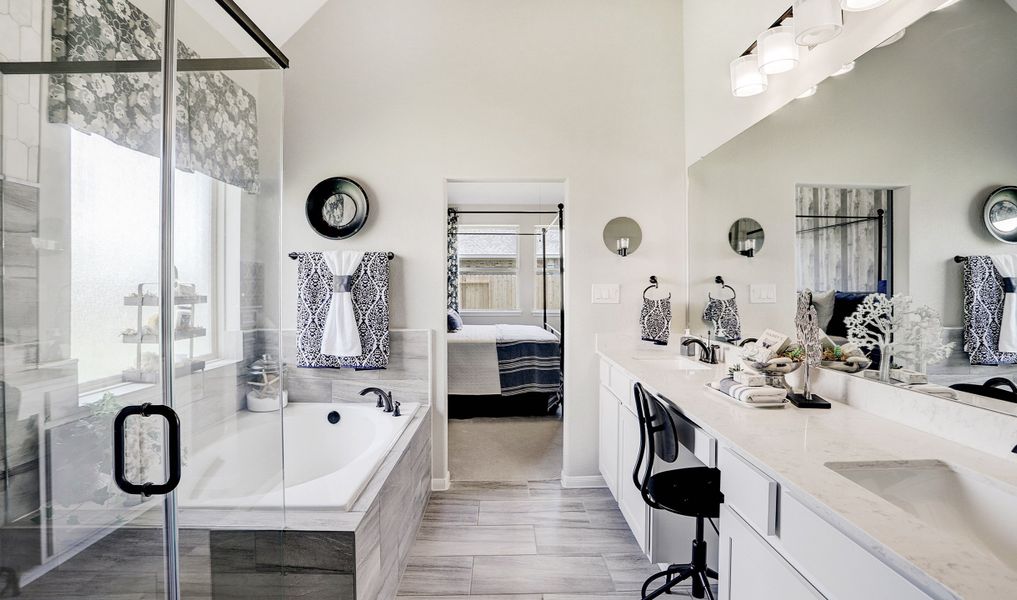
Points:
x=664, y=537
x=750, y=569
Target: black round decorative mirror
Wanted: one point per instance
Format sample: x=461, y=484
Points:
x=1000, y=214
x=337, y=208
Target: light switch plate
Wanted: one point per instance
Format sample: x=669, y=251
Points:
x=606, y=293
x=763, y=293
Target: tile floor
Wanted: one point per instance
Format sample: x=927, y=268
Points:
x=524, y=541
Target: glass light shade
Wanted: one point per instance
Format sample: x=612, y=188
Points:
x=746, y=80
x=777, y=50
x=847, y=68
x=817, y=21
x=807, y=93
x=893, y=39
x=946, y=4
x=860, y=5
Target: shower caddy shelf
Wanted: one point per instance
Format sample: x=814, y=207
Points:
x=187, y=303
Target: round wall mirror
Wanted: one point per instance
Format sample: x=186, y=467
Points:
x=1001, y=214
x=337, y=208
x=746, y=237
x=622, y=236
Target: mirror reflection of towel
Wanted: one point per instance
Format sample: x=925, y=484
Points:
x=723, y=313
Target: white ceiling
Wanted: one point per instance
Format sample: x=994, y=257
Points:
x=280, y=19
x=505, y=193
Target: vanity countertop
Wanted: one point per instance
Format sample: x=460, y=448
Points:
x=793, y=445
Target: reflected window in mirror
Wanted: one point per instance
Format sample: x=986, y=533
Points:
x=844, y=248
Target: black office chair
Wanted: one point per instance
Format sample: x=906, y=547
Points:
x=691, y=492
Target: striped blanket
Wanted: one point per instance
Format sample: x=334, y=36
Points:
x=526, y=364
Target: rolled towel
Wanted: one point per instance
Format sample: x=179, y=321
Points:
x=747, y=394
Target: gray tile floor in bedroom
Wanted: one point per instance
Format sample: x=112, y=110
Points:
x=524, y=541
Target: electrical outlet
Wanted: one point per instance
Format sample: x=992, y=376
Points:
x=763, y=293
x=606, y=293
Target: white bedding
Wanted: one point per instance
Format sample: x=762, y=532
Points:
x=473, y=356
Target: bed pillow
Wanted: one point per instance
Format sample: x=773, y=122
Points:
x=844, y=305
x=823, y=301
x=455, y=322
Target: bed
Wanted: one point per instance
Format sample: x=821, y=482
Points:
x=503, y=370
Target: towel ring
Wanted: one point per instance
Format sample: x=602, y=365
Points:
x=720, y=281
x=653, y=286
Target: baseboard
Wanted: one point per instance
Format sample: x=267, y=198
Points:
x=583, y=481
x=441, y=485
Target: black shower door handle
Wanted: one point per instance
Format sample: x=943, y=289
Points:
x=119, y=457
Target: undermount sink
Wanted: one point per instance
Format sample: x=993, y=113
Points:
x=961, y=503
x=672, y=362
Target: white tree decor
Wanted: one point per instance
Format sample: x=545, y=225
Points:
x=899, y=329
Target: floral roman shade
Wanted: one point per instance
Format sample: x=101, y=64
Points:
x=216, y=120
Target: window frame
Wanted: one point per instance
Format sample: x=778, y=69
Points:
x=508, y=230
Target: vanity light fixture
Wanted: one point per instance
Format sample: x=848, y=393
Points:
x=746, y=79
x=946, y=4
x=808, y=93
x=893, y=39
x=817, y=21
x=844, y=70
x=776, y=49
x=861, y=5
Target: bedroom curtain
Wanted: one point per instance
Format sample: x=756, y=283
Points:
x=453, y=260
x=216, y=120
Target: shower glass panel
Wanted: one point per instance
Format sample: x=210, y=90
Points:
x=100, y=217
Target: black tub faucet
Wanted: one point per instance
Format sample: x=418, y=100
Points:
x=384, y=398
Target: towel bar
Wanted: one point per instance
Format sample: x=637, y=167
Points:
x=296, y=255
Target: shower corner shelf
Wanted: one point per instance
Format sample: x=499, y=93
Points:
x=186, y=304
x=152, y=300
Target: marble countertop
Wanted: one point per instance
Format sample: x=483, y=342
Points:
x=792, y=445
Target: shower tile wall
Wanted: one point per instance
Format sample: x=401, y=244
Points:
x=407, y=375
x=21, y=40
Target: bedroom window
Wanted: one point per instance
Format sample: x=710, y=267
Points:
x=488, y=268
x=553, y=271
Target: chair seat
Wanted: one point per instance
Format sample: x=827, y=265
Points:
x=693, y=491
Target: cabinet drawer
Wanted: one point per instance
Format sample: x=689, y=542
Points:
x=749, y=492
x=694, y=439
x=620, y=384
x=839, y=567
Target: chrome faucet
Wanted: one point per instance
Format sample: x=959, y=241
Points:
x=707, y=353
x=384, y=400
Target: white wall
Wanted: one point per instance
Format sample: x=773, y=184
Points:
x=401, y=95
x=718, y=31
x=933, y=113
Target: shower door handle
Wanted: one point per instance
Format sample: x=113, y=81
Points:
x=119, y=450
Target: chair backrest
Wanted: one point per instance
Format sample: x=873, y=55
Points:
x=658, y=438
x=987, y=389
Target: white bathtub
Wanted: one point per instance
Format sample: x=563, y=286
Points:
x=326, y=465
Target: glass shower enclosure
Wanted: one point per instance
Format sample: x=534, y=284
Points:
x=140, y=178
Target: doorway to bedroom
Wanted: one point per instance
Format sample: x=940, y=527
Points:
x=505, y=350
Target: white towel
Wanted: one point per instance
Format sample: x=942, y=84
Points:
x=1006, y=264
x=749, y=395
x=341, y=337
x=935, y=390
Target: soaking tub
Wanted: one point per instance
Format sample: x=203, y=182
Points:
x=326, y=465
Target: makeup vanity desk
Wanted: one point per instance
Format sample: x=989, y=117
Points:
x=792, y=527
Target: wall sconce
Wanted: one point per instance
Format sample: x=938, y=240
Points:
x=623, y=246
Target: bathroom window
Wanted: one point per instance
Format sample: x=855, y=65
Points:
x=553, y=271
x=114, y=233
x=488, y=268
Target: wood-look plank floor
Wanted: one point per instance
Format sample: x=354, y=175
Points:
x=525, y=541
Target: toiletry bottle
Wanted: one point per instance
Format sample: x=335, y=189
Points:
x=689, y=350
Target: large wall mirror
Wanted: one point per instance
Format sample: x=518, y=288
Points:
x=873, y=186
